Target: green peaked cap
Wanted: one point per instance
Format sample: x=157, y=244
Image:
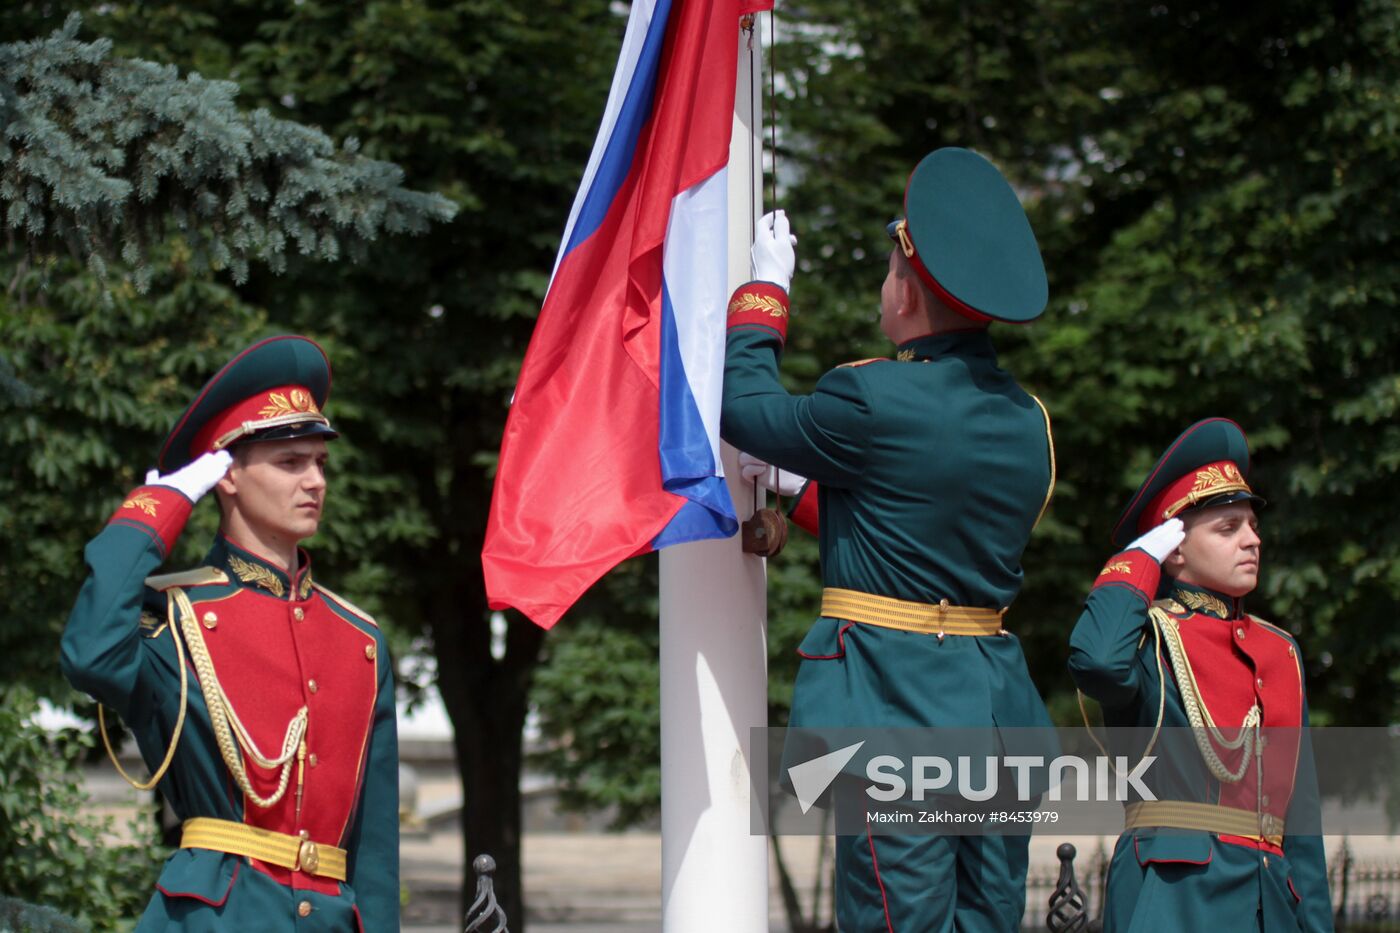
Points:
x=273, y=390
x=967, y=236
x=1212, y=441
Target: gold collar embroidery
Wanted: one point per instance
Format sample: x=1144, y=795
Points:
x=250, y=572
x=1199, y=601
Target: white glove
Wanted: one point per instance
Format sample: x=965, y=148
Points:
x=1162, y=540
x=196, y=478
x=773, y=255
x=783, y=482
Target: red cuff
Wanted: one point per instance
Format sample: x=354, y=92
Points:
x=1134, y=569
x=759, y=304
x=806, y=511
x=159, y=511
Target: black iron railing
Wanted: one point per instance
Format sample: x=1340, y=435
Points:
x=485, y=915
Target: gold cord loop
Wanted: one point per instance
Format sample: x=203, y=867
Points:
x=179, y=719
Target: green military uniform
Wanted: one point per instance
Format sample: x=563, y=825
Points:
x=306, y=838
x=931, y=470
x=1157, y=664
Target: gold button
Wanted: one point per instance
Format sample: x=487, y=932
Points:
x=1265, y=800
x=308, y=859
x=370, y=652
x=304, y=909
x=1290, y=651
x=1259, y=682
x=1239, y=632
x=311, y=685
x=298, y=614
x=312, y=760
x=1266, y=861
x=210, y=620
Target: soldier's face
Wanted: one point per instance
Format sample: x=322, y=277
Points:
x=1221, y=549
x=278, y=488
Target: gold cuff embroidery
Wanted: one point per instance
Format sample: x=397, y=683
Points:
x=747, y=301
x=144, y=501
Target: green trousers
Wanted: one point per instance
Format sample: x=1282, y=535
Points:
x=930, y=884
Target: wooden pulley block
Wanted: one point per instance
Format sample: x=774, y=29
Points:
x=766, y=533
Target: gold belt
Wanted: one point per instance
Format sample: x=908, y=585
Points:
x=931, y=618
x=1208, y=817
x=295, y=852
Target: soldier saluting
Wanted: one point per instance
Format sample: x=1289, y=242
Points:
x=928, y=472
x=262, y=702
x=1232, y=841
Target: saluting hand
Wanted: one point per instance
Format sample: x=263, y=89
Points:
x=783, y=482
x=773, y=253
x=196, y=478
x=1162, y=540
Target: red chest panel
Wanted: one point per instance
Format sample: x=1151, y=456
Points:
x=1237, y=663
x=274, y=656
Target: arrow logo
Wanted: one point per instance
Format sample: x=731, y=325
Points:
x=811, y=778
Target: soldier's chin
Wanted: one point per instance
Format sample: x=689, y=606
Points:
x=1243, y=584
x=307, y=527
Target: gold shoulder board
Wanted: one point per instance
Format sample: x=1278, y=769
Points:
x=200, y=576
x=1170, y=605
x=346, y=605
x=873, y=359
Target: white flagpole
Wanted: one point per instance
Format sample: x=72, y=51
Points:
x=714, y=668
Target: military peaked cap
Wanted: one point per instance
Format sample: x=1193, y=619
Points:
x=967, y=236
x=1207, y=465
x=274, y=390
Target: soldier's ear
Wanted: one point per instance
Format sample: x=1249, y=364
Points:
x=1174, y=563
x=911, y=295
x=228, y=483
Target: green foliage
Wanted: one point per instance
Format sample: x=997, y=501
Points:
x=599, y=701
x=107, y=371
x=51, y=854
x=18, y=917
x=98, y=150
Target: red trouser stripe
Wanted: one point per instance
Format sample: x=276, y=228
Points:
x=875, y=862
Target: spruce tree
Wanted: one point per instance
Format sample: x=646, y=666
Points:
x=101, y=156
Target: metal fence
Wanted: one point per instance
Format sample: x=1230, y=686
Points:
x=1069, y=898
x=1365, y=894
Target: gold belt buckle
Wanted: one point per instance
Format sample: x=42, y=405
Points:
x=308, y=854
x=1272, y=825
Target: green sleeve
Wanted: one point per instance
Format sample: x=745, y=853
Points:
x=101, y=652
x=1307, y=861
x=823, y=436
x=373, y=842
x=1104, y=646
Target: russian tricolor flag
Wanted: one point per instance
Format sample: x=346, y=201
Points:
x=611, y=448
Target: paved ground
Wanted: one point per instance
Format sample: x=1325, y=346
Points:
x=582, y=883
x=596, y=882
x=592, y=882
